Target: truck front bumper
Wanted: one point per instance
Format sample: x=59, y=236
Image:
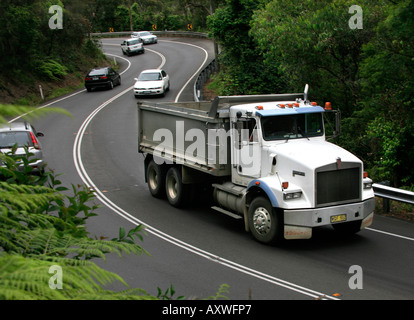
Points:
x=299, y=223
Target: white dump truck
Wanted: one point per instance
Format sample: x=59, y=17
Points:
x=265, y=158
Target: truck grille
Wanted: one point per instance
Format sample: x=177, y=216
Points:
x=338, y=186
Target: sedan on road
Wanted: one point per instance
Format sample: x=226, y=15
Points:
x=19, y=140
x=102, y=78
x=146, y=36
x=152, y=82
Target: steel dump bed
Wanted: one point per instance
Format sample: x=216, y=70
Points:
x=179, y=132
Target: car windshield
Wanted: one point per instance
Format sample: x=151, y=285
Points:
x=303, y=125
x=9, y=139
x=142, y=34
x=149, y=76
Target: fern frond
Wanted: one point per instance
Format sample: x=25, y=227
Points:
x=26, y=197
x=29, y=278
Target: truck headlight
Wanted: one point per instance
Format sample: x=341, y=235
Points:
x=292, y=195
x=368, y=185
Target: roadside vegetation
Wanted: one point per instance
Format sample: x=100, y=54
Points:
x=278, y=46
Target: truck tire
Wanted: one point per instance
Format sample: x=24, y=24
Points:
x=156, y=179
x=174, y=187
x=264, y=222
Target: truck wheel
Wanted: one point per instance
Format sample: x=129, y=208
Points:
x=264, y=223
x=174, y=187
x=156, y=179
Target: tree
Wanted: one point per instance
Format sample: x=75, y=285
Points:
x=387, y=81
x=312, y=42
x=243, y=69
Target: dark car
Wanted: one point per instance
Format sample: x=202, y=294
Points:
x=102, y=78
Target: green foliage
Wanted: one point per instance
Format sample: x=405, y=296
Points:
x=168, y=294
x=366, y=73
x=243, y=70
x=28, y=278
x=41, y=225
x=51, y=70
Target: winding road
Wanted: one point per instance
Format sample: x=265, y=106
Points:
x=197, y=249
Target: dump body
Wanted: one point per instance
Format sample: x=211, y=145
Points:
x=179, y=133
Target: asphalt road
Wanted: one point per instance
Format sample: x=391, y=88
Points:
x=197, y=249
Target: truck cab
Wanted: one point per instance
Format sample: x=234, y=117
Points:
x=280, y=152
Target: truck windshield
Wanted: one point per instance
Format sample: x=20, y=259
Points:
x=296, y=126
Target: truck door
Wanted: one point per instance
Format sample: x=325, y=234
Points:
x=247, y=150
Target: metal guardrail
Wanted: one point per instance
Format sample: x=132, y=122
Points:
x=202, y=78
x=188, y=34
x=389, y=193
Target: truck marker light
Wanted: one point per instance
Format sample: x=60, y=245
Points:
x=296, y=105
x=281, y=105
x=365, y=174
x=257, y=183
x=259, y=107
x=314, y=103
x=328, y=106
x=285, y=185
x=290, y=105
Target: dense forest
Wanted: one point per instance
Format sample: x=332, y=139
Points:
x=360, y=60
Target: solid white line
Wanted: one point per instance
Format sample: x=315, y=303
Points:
x=390, y=234
x=195, y=73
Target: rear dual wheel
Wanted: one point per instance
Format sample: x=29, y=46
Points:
x=174, y=187
x=156, y=179
x=167, y=182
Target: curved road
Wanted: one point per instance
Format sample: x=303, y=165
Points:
x=197, y=249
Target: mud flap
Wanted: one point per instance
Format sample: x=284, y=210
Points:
x=296, y=232
x=367, y=220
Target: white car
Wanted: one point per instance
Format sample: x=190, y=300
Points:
x=131, y=46
x=152, y=82
x=146, y=36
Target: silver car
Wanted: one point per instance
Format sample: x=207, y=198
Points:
x=23, y=137
x=146, y=36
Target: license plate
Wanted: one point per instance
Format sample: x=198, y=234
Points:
x=338, y=218
x=95, y=78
